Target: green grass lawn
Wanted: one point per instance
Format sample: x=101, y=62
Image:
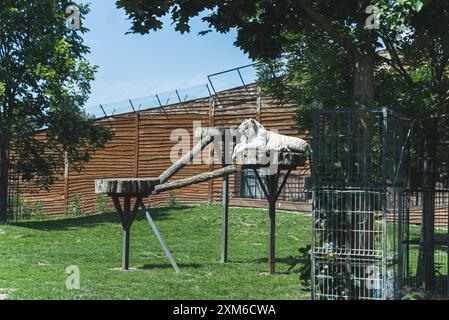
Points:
x=34, y=256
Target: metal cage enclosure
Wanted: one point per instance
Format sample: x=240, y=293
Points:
x=358, y=182
x=425, y=235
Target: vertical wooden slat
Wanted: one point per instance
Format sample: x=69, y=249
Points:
x=66, y=182
x=137, y=147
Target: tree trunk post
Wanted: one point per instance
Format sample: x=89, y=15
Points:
x=364, y=80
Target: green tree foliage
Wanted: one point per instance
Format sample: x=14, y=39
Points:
x=44, y=84
x=325, y=48
x=411, y=68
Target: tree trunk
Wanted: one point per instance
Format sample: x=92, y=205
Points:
x=426, y=262
x=4, y=178
x=364, y=80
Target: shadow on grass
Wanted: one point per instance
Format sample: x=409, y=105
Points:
x=151, y=266
x=91, y=221
x=294, y=263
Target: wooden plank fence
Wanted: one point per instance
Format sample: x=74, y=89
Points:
x=144, y=141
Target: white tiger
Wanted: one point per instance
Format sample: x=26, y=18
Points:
x=255, y=137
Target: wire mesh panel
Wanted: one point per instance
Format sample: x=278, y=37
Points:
x=358, y=178
x=425, y=235
x=13, y=196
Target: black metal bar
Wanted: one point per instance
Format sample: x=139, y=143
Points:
x=233, y=69
x=132, y=105
x=159, y=236
x=385, y=148
x=160, y=105
x=118, y=207
x=125, y=249
x=334, y=111
x=179, y=97
x=208, y=89
x=272, y=182
x=225, y=204
x=244, y=84
x=262, y=185
x=105, y=114
x=349, y=199
x=215, y=91
x=180, y=101
x=126, y=233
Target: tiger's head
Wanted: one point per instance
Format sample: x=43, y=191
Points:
x=249, y=130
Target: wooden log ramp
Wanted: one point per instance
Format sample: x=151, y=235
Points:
x=203, y=177
x=186, y=159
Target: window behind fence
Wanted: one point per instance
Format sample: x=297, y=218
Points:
x=296, y=189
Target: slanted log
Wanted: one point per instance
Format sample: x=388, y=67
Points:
x=185, y=160
x=127, y=186
x=196, y=179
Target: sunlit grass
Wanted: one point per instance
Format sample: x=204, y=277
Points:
x=34, y=256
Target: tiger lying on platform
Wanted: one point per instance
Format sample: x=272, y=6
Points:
x=255, y=137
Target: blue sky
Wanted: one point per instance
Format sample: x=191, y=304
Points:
x=132, y=66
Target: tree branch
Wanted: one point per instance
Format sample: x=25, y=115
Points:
x=444, y=99
x=395, y=61
x=316, y=17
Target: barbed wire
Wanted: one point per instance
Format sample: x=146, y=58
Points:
x=222, y=81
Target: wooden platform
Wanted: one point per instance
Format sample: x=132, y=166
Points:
x=253, y=159
x=126, y=186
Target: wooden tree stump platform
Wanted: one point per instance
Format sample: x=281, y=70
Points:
x=126, y=187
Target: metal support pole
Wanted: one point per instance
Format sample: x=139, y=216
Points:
x=225, y=204
x=159, y=237
x=127, y=218
x=272, y=184
x=125, y=248
x=225, y=220
x=126, y=232
x=314, y=202
x=272, y=231
x=272, y=193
